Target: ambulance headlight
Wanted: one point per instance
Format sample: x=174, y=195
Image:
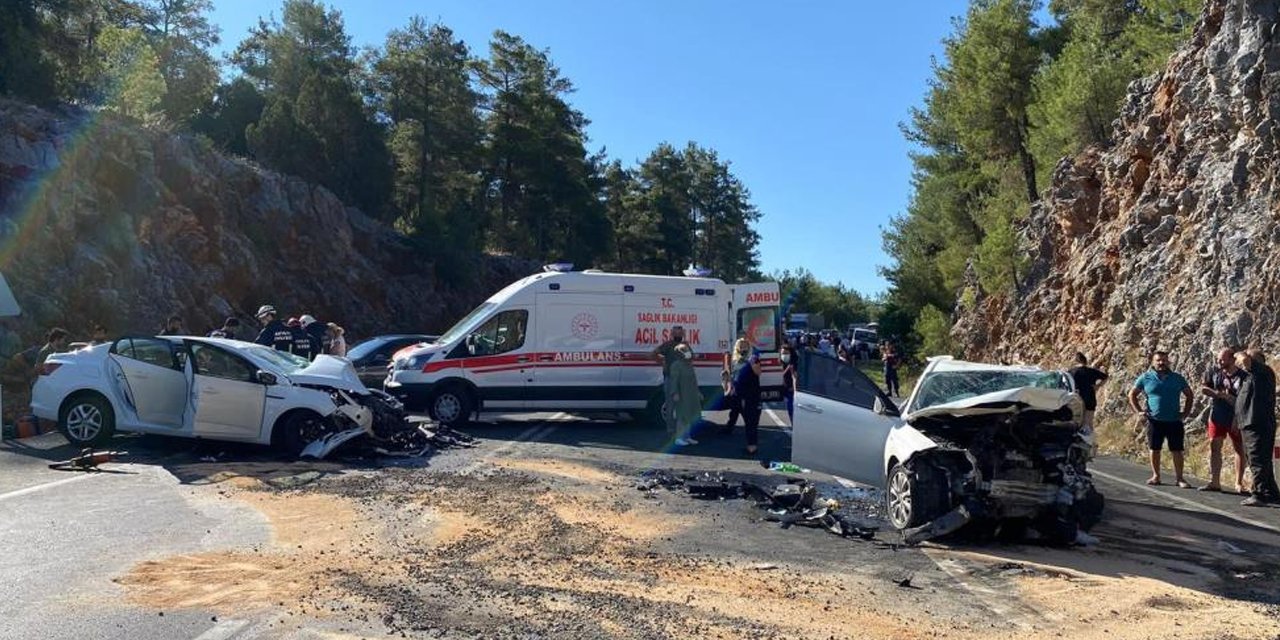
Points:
x=415, y=362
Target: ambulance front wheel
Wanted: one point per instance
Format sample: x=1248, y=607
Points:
x=451, y=405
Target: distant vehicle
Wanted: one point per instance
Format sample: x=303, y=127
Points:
x=373, y=357
x=866, y=344
x=975, y=442
x=568, y=340
x=206, y=388
x=807, y=322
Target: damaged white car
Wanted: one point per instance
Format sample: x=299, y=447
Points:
x=207, y=388
x=975, y=445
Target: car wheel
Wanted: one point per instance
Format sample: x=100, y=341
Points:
x=87, y=421
x=450, y=406
x=913, y=496
x=299, y=429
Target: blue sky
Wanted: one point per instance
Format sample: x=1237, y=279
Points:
x=804, y=98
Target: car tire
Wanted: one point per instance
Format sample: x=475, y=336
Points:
x=914, y=496
x=451, y=406
x=87, y=420
x=297, y=430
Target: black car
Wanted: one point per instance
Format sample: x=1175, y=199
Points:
x=372, y=356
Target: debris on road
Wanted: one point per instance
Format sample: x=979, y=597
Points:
x=88, y=460
x=1228, y=547
x=385, y=425
x=792, y=502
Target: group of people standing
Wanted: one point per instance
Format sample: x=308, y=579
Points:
x=302, y=336
x=1242, y=390
x=740, y=383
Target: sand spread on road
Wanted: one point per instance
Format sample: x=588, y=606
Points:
x=560, y=549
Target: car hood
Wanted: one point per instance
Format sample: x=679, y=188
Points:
x=1003, y=401
x=419, y=349
x=331, y=372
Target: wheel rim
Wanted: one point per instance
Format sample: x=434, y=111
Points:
x=309, y=429
x=84, y=422
x=448, y=407
x=900, y=500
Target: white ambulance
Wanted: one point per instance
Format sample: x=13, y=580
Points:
x=566, y=340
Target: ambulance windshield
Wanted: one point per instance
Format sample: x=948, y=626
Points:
x=467, y=324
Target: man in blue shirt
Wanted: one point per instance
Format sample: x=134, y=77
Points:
x=1162, y=387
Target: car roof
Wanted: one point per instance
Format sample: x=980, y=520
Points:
x=941, y=364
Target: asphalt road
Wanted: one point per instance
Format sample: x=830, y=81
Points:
x=68, y=537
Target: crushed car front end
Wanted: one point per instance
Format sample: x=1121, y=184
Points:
x=1005, y=451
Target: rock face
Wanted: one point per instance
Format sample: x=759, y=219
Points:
x=1168, y=239
x=101, y=221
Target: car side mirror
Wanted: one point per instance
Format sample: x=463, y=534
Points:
x=267, y=378
x=883, y=409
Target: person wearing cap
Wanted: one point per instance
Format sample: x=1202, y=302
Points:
x=317, y=331
x=301, y=340
x=274, y=334
x=228, y=330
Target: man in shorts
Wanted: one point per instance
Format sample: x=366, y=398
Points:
x=1222, y=384
x=1162, y=387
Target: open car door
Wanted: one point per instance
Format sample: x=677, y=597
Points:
x=154, y=378
x=842, y=420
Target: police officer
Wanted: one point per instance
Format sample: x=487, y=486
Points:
x=274, y=334
x=301, y=339
x=318, y=332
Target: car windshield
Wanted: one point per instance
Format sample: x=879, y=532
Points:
x=467, y=324
x=284, y=362
x=953, y=386
x=365, y=348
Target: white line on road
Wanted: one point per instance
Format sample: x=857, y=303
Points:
x=777, y=420
x=39, y=487
x=992, y=599
x=1190, y=503
x=223, y=630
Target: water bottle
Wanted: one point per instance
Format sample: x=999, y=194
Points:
x=785, y=467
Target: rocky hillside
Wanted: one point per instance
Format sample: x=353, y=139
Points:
x=104, y=221
x=1168, y=239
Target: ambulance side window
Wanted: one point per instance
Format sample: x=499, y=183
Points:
x=760, y=327
x=502, y=333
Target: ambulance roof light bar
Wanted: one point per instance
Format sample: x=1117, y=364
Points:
x=558, y=267
x=697, y=272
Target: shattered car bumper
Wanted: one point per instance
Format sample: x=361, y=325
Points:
x=1014, y=459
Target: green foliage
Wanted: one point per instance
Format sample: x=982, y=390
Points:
x=420, y=82
x=27, y=69
x=933, y=329
x=681, y=207
x=987, y=83
x=461, y=154
x=315, y=124
x=225, y=118
x=542, y=199
x=1009, y=100
x=839, y=305
x=181, y=35
x=129, y=79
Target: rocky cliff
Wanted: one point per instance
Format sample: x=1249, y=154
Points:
x=1167, y=239
x=103, y=221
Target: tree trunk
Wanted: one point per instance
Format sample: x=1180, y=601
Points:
x=1028, y=162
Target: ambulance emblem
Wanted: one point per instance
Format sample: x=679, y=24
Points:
x=584, y=326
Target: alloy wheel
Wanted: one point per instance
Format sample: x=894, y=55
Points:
x=900, y=500
x=84, y=422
